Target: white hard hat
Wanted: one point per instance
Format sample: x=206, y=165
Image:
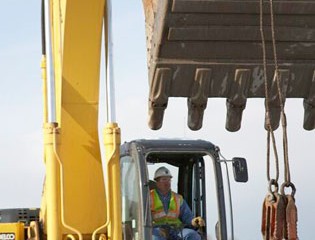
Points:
x=162, y=172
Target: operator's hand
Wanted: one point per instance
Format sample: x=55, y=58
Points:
x=198, y=222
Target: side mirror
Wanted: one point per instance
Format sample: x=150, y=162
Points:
x=240, y=169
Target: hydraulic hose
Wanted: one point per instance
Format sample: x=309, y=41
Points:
x=43, y=28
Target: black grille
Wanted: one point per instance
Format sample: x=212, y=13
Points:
x=25, y=215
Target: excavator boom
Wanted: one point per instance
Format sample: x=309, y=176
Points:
x=74, y=202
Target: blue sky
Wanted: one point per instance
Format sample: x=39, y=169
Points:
x=22, y=168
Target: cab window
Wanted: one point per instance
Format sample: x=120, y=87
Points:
x=131, y=212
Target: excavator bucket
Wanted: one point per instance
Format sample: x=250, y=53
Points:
x=202, y=49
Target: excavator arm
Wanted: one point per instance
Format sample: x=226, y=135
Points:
x=74, y=203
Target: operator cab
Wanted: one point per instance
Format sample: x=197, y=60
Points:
x=197, y=176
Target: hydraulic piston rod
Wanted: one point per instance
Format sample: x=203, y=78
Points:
x=110, y=88
x=51, y=103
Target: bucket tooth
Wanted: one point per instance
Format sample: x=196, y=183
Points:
x=158, y=99
x=236, y=102
x=197, y=103
x=274, y=101
x=309, y=108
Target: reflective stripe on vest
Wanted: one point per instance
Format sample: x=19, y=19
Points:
x=159, y=215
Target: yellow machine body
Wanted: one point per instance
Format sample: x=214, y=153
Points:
x=12, y=231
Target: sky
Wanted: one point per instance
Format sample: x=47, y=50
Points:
x=21, y=151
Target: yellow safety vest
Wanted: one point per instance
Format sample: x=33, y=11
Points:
x=159, y=216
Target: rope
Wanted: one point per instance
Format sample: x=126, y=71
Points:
x=268, y=122
x=283, y=115
x=275, y=153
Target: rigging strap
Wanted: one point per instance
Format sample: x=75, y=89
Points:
x=279, y=218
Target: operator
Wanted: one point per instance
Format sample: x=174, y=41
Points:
x=169, y=208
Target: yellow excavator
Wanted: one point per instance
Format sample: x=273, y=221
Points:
x=196, y=49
